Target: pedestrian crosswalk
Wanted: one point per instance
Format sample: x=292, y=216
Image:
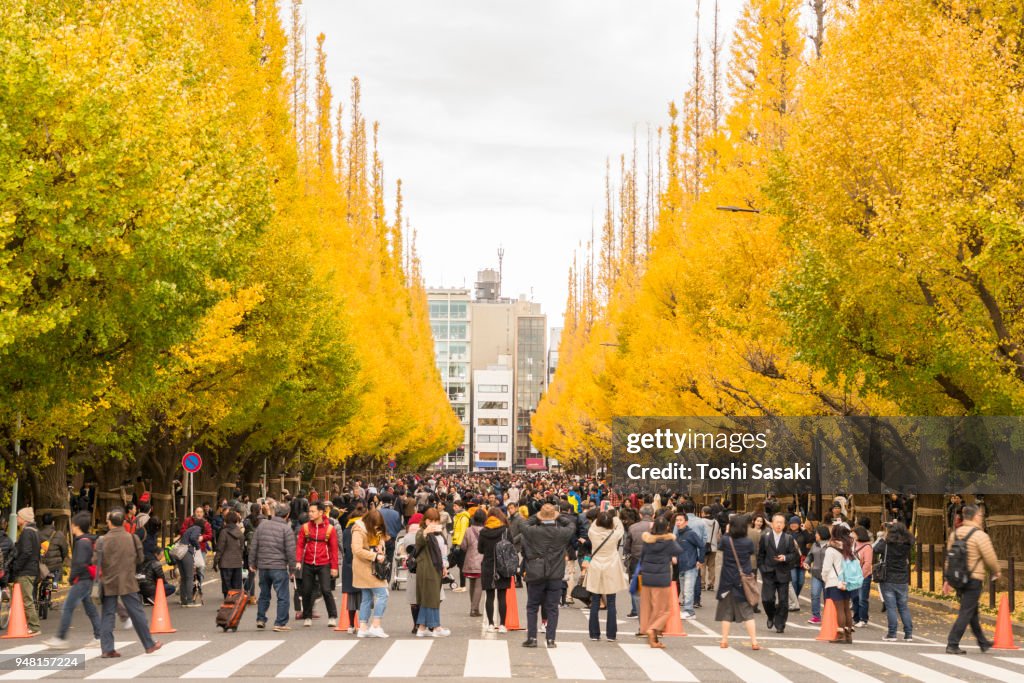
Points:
x=683, y=661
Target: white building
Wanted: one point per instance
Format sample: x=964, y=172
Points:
x=492, y=416
x=451, y=329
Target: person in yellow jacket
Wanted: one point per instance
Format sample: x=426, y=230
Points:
x=460, y=522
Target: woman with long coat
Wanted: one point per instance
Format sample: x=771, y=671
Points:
x=350, y=594
x=495, y=529
x=368, y=539
x=659, y=553
x=604, y=575
x=430, y=569
x=735, y=551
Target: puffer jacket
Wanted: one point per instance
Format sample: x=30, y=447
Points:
x=656, y=559
x=273, y=545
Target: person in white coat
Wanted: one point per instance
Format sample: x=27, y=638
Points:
x=604, y=574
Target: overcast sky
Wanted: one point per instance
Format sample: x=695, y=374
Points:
x=498, y=116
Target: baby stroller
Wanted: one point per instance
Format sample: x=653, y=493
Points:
x=399, y=570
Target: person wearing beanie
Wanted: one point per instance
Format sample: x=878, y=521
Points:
x=25, y=569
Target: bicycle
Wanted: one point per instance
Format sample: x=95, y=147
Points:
x=44, y=596
x=5, y=606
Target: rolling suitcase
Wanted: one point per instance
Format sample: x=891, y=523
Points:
x=231, y=610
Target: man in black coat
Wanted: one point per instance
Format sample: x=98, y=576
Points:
x=777, y=555
x=546, y=538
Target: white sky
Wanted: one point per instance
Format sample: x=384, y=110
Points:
x=498, y=116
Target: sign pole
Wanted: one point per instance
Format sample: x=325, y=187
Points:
x=191, y=493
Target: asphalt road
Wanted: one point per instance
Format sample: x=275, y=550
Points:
x=199, y=651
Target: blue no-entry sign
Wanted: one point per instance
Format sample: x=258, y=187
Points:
x=392, y=463
x=191, y=462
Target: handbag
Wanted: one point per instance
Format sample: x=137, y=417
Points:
x=582, y=594
x=198, y=560
x=179, y=550
x=381, y=569
x=749, y=581
x=879, y=570
x=635, y=582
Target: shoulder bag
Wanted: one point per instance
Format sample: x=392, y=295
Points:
x=749, y=581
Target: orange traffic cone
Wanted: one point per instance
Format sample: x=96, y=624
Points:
x=18, y=625
x=343, y=623
x=512, y=607
x=829, y=624
x=674, y=627
x=161, y=622
x=1004, y=627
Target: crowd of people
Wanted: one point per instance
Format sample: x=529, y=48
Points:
x=567, y=539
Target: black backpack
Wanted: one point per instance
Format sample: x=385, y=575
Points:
x=956, y=573
x=506, y=558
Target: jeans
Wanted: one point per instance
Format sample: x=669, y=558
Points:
x=321, y=574
x=186, y=567
x=133, y=604
x=80, y=592
x=595, y=616
x=544, y=593
x=689, y=580
x=798, y=576
x=817, y=588
x=895, y=597
x=859, y=601
x=372, y=602
x=278, y=578
x=968, y=615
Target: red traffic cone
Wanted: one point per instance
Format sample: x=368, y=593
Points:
x=674, y=627
x=18, y=625
x=512, y=607
x=829, y=623
x=1004, y=627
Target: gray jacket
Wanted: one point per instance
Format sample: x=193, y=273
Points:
x=273, y=545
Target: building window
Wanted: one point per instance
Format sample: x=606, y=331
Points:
x=492, y=422
x=458, y=310
x=439, y=309
x=487, y=455
x=492, y=405
x=493, y=388
x=492, y=438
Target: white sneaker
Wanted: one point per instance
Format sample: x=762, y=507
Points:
x=376, y=632
x=491, y=628
x=127, y=624
x=687, y=616
x=440, y=633
x=502, y=629
x=462, y=589
x=331, y=623
x=95, y=642
x=362, y=634
x=420, y=633
x=56, y=643
x=307, y=623
x=350, y=630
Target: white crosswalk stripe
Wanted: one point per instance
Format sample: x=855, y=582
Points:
x=744, y=667
x=979, y=668
x=130, y=668
x=657, y=664
x=318, y=660
x=903, y=666
x=492, y=658
x=35, y=674
x=487, y=659
x=234, y=659
x=824, y=666
x=403, y=659
x=572, y=661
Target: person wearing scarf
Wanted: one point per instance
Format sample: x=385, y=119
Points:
x=430, y=569
x=495, y=529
